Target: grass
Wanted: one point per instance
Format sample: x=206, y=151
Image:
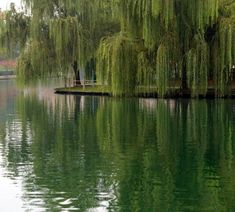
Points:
x=105, y=90
x=97, y=89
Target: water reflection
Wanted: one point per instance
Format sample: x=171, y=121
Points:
x=70, y=153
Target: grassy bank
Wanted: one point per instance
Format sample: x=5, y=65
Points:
x=174, y=92
x=88, y=90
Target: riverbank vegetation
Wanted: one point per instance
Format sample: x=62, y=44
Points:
x=127, y=44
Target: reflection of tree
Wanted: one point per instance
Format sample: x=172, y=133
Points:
x=11, y=128
x=171, y=172
x=139, y=156
x=63, y=160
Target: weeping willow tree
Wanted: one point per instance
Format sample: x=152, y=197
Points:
x=14, y=30
x=66, y=34
x=136, y=45
x=74, y=29
x=224, y=49
x=117, y=65
x=187, y=41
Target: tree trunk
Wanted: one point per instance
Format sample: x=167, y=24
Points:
x=77, y=73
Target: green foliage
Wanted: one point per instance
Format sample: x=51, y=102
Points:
x=167, y=63
x=174, y=33
x=14, y=30
x=119, y=55
x=133, y=43
x=146, y=74
x=34, y=64
x=197, y=61
x=224, y=49
x=65, y=34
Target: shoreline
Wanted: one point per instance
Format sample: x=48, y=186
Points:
x=175, y=93
x=7, y=77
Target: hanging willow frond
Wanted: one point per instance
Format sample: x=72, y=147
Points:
x=224, y=55
x=14, y=30
x=117, y=65
x=197, y=60
x=34, y=64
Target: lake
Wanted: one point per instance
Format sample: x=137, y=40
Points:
x=76, y=153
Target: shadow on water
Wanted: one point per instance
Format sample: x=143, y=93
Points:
x=99, y=153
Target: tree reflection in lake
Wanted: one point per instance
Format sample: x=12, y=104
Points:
x=76, y=152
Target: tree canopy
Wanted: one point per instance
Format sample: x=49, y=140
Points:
x=128, y=44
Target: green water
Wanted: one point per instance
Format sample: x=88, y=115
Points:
x=73, y=153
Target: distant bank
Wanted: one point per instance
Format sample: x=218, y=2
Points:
x=7, y=64
x=6, y=77
x=7, y=69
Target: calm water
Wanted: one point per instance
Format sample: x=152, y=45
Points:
x=72, y=153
